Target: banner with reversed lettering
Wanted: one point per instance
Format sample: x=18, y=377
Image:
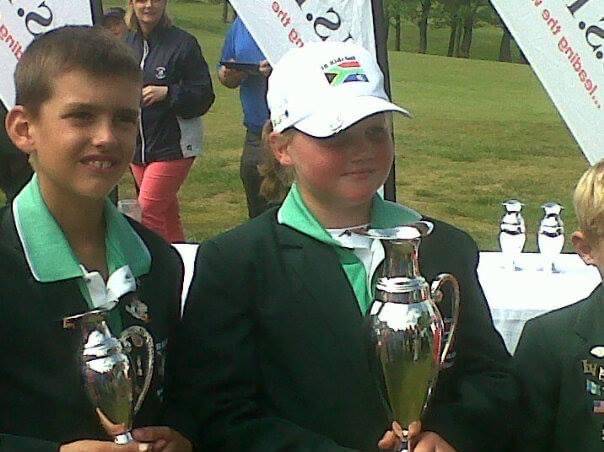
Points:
x=22, y=20
x=564, y=42
x=278, y=25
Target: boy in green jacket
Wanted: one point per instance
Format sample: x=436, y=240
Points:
x=78, y=92
x=560, y=357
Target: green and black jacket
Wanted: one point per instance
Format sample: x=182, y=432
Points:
x=560, y=359
x=272, y=353
x=42, y=399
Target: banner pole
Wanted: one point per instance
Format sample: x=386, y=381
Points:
x=381, y=51
x=96, y=7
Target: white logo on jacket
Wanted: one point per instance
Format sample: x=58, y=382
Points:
x=160, y=73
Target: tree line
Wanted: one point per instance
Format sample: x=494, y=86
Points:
x=461, y=16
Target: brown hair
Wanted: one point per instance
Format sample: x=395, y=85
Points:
x=276, y=179
x=589, y=202
x=90, y=49
x=132, y=21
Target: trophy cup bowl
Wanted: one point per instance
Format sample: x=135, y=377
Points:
x=408, y=344
x=512, y=233
x=108, y=373
x=406, y=328
x=550, y=237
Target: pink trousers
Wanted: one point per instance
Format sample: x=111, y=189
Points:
x=159, y=183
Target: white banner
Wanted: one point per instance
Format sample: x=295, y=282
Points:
x=564, y=42
x=278, y=25
x=21, y=21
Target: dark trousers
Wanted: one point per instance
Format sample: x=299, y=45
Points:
x=248, y=171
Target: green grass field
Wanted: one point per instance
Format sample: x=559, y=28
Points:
x=483, y=132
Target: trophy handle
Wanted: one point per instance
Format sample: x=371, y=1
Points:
x=140, y=337
x=437, y=296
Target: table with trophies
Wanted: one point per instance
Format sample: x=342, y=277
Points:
x=515, y=296
x=520, y=286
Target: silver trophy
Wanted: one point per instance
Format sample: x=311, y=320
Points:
x=551, y=235
x=512, y=235
x=116, y=372
x=406, y=328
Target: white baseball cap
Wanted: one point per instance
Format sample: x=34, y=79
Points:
x=326, y=87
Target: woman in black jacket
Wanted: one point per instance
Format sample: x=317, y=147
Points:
x=177, y=92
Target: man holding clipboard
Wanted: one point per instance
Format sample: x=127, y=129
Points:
x=244, y=65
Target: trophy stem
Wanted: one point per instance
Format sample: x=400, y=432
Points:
x=123, y=438
x=404, y=441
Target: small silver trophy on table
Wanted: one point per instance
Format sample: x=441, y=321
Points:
x=551, y=235
x=512, y=235
x=116, y=372
x=406, y=328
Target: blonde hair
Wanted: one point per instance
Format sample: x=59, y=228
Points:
x=132, y=21
x=588, y=200
x=276, y=179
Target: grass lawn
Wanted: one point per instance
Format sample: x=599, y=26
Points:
x=483, y=132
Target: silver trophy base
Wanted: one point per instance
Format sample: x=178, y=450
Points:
x=404, y=447
x=123, y=438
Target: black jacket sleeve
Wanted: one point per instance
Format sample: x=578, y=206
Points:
x=11, y=443
x=540, y=374
x=217, y=376
x=193, y=95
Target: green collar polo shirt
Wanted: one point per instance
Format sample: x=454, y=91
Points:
x=51, y=258
x=359, y=256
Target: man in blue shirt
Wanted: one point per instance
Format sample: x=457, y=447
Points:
x=239, y=46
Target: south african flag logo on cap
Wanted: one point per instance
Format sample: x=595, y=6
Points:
x=345, y=72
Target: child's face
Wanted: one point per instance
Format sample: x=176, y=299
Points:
x=83, y=137
x=345, y=170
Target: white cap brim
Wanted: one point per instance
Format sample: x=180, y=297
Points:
x=344, y=113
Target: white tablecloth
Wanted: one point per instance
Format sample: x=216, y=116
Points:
x=514, y=296
x=517, y=296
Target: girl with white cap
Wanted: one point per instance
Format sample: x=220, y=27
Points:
x=271, y=355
